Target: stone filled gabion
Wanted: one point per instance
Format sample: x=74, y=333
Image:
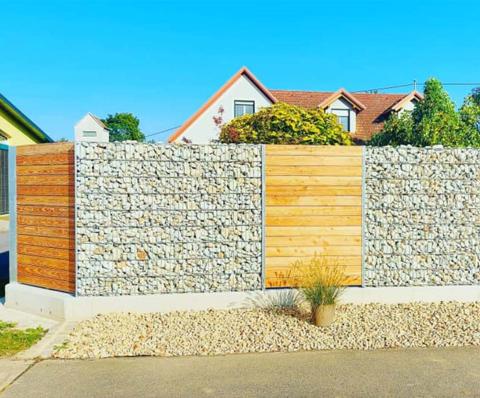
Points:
x=167, y=219
x=422, y=216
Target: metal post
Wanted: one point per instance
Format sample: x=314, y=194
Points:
x=263, y=215
x=12, y=204
x=364, y=185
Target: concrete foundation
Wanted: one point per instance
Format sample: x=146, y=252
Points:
x=63, y=306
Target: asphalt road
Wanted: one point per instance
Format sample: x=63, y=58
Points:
x=398, y=373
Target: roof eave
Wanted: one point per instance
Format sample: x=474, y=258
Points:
x=21, y=118
x=345, y=94
x=401, y=103
x=243, y=71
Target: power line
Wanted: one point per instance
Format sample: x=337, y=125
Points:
x=414, y=84
x=162, y=131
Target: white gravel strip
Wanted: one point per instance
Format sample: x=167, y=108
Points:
x=361, y=327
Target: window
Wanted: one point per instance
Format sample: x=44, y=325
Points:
x=89, y=133
x=243, y=108
x=343, y=117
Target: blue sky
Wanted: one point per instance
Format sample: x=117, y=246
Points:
x=162, y=60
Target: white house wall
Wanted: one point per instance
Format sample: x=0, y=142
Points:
x=203, y=130
x=409, y=106
x=345, y=105
x=87, y=123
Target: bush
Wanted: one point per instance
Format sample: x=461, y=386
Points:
x=320, y=283
x=434, y=121
x=286, y=124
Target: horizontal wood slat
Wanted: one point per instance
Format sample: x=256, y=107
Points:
x=313, y=207
x=53, y=242
x=284, y=211
x=46, y=221
x=313, y=180
x=314, y=171
x=66, y=265
x=307, y=251
x=46, y=190
x=60, y=179
x=286, y=262
x=314, y=150
x=60, y=148
x=278, y=282
x=289, y=190
x=45, y=169
x=313, y=221
x=285, y=200
x=36, y=230
x=48, y=211
x=314, y=241
x=309, y=231
x=51, y=159
x=45, y=216
x=45, y=200
x=282, y=160
x=63, y=285
x=49, y=252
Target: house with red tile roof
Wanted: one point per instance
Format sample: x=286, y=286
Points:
x=361, y=114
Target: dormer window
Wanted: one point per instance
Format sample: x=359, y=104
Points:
x=343, y=117
x=243, y=108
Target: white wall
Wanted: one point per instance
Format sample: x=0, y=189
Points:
x=203, y=130
x=409, y=106
x=345, y=105
x=88, y=123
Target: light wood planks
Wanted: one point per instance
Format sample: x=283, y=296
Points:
x=313, y=207
x=45, y=216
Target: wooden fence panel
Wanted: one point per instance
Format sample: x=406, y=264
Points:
x=45, y=216
x=313, y=207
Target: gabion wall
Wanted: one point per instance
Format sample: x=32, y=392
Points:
x=160, y=219
x=422, y=216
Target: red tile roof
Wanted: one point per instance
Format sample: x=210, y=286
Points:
x=369, y=120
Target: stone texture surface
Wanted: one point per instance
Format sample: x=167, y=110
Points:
x=356, y=327
x=422, y=218
x=162, y=218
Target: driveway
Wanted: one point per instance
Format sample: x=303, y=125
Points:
x=453, y=372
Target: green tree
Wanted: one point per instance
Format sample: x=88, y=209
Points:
x=285, y=124
x=470, y=115
x=397, y=130
x=434, y=121
x=124, y=127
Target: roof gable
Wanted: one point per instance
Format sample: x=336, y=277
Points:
x=242, y=72
x=369, y=120
x=342, y=93
x=414, y=95
x=31, y=129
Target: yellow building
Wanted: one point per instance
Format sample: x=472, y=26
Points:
x=16, y=128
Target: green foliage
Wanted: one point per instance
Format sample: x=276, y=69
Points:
x=470, y=113
x=319, y=282
x=286, y=124
x=434, y=121
x=397, y=130
x=124, y=127
x=14, y=340
x=288, y=299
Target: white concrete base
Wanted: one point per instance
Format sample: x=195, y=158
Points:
x=63, y=306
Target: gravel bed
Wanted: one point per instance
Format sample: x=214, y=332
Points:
x=358, y=327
